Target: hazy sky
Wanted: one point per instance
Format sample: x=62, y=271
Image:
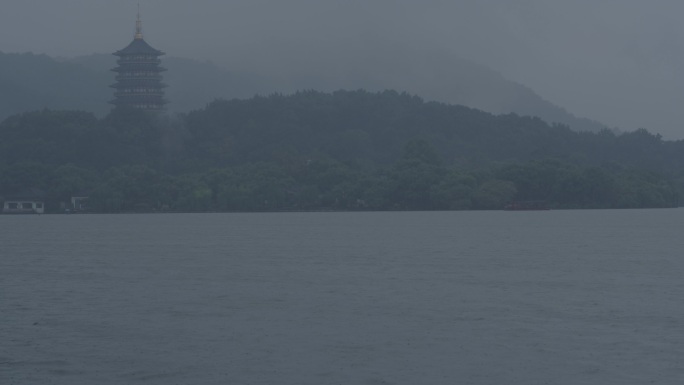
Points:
x=616, y=61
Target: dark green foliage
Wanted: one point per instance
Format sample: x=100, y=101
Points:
x=349, y=150
x=493, y=194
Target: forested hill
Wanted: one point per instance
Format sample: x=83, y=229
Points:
x=375, y=127
x=347, y=150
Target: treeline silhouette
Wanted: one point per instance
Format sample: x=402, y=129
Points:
x=347, y=150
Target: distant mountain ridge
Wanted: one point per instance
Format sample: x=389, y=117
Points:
x=30, y=82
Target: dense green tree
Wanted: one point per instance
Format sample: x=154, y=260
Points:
x=132, y=188
x=23, y=176
x=454, y=191
x=493, y=194
x=414, y=177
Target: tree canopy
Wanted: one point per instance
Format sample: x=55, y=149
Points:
x=347, y=150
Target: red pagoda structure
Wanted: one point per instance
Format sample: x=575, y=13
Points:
x=139, y=80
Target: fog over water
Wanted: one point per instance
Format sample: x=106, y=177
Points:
x=616, y=61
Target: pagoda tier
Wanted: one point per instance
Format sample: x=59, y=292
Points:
x=137, y=67
x=139, y=80
x=128, y=84
x=130, y=80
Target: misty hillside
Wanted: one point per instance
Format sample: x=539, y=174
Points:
x=434, y=75
x=29, y=82
x=347, y=150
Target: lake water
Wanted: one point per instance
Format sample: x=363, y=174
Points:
x=553, y=297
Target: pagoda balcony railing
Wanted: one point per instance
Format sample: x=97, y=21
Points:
x=124, y=101
x=139, y=57
x=132, y=77
x=139, y=67
x=143, y=106
x=131, y=103
x=139, y=83
x=126, y=87
x=138, y=94
x=139, y=98
x=138, y=72
x=135, y=90
x=138, y=61
x=148, y=107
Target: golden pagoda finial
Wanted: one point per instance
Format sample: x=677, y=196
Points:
x=138, y=26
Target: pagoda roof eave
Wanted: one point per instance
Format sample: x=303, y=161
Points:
x=137, y=47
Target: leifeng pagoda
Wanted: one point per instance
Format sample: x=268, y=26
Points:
x=139, y=80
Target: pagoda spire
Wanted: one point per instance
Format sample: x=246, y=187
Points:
x=138, y=26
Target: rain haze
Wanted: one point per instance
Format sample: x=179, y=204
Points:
x=615, y=61
x=341, y=234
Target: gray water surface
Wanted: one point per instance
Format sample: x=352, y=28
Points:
x=556, y=297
